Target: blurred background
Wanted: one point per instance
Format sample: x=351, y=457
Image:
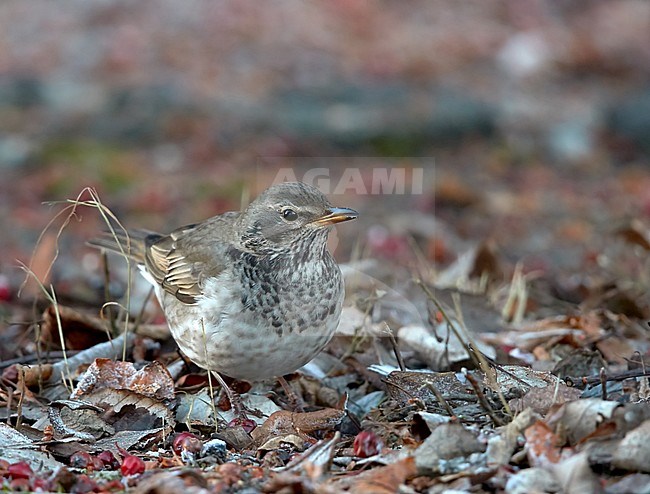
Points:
x=530, y=118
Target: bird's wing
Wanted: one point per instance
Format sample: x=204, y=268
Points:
x=181, y=261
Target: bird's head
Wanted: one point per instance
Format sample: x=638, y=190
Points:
x=288, y=214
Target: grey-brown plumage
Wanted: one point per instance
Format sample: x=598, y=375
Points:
x=252, y=294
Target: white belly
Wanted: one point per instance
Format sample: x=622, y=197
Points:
x=217, y=335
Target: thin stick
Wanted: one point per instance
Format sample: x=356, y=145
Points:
x=393, y=342
x=473, y=350
x=582, y=382
x=51, y=296
x=21, y=397
x=603, y=383
x=441, y=399
x=450, y=325
x=107, y=291
x=210, y=386
x=481, y=398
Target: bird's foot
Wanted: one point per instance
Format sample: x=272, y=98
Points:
x=233, y=397
x=295, y=401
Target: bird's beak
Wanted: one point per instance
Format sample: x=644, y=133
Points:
x=336, y=215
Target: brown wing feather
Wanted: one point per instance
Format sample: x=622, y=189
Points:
x=181, y=261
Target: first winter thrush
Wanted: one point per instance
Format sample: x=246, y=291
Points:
x=252, y=294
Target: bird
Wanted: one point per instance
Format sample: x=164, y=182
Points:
x=251, y=294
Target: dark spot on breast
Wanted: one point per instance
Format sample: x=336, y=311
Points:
x=277, y=324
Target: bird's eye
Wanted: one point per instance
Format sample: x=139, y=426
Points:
x=289, y=214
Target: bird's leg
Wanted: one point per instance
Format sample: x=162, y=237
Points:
x=233, y=397
x=295, y=401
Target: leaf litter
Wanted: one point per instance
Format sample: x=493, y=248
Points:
x=461, y=378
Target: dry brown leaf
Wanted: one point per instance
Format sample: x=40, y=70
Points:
x=153, y=380
x=438, y=349
x=486, y=261
x=541, y=332
x=128, y=410
x=614, y=349
x=502, y=445
x=580, y=362
x=41, y=265
x=543, y=447
x=30, y=375
x=187, y=481
x=385, y=480
x=408, y=386
x=301, y=424
x=540, y=400
x=578, y=419
x=80, y=331
x=635, y=234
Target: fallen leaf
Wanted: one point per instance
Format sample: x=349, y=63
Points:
x=153, y=380
x=578, y=419
x=386, y=479
x=301, y=424
x=633, y=452
x=543, y=447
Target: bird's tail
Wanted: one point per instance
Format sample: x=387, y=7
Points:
x=132, y=244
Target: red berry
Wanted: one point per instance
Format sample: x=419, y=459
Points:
x=83, y=484
x=20, y=485
x=81, y=459
x=367, y=444
x=96, y=465
x=132, y=465
x=186, y=441
x=247, y=424
x=20, y=470
x=5, y=289
x=109, y=460
x=44, y=485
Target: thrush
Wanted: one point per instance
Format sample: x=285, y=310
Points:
x=252, y=294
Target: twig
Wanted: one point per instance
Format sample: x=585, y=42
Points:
x=482, y=398
x=441, y=399
x=110, y=349
x=107, y=290
x=233, y=397
x=21, y=397
x=393, y=342
x=517, y=294
x=51, y=296
x=450, y=325
x=584, y=381
x=34, y=357
x=480, y=356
